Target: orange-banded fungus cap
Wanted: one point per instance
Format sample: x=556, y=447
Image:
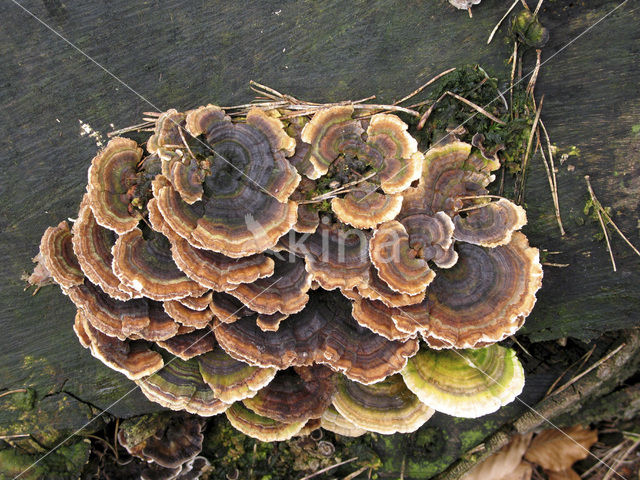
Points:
x=336, y=258
x=187, y=316
x=259, y=427
x=377, y=317
x=197, y=303
x=179, y=386
x=334, y=422
x=112, y=317
x=431, y=236
x=186, y=176
x=385, y=407
x=291, y=398
x=377, y=289
x=177, y=443
x=323, y=334
x=92, y=245
x=217, y=271
x=132, y=358
x=270, y=323
x=399, y=265
x=228, y=309
x=285, y=291
x=166, y=134
x=146, y=265
x=111, y=175
x=402, y=161
x=189, y=345
x=230, y=379
x=161, y=326
x=366, y=208
x=56, y=251
x=486, y=295
x=490, y=225
x=465, y=383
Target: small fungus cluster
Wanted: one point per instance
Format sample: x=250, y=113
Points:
x=297, y=271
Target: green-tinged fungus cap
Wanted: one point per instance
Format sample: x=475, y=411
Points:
x=259, y=427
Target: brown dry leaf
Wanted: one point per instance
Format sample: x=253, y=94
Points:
x=564, y=475
x=557, y=451
x=505, y=464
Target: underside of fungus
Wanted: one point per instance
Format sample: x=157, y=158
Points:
x=296, y=271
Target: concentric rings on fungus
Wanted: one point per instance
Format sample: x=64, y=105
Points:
x=319, y=334
x=146, y=265
x=486, y=295
x=166, y=136
x=132, y=358
x=263, y=428
x=465, y=383
x=385, y=407
x=245, y=206
x=334, y=422
x=92, y=245
x=291, y=398
x=189, y=345
x=377, y=317
x=197, y=303
x=490, y=225
x=230, y=379
x=56, y=252
x=111, y=175
x=187, y=316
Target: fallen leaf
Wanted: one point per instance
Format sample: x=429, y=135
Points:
x=569, y=474
x=504, y=464
x=557, y=450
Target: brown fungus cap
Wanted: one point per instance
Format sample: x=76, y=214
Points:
x=490, y=225
x=366, y=208
x=56, y=252
x=111, y=175
x=217, y=271
x=189, y=345
x=245, y=206
x=92, y=245
x=335, y=257
x=285, y=291
x=259, y=427
x=291, y=398
x=166, y=134
x=187, y=316
x=179, y=386
x=230, y=379
x=177, y=443
x=399, y=265
x=378, y=317
x=228, y=309
x=385, y=407
x=270, y=323
x=431, y=237
x=161, y=326
x=377, y=289
x=197, y=303
x=146, y=265
x=486, y=295
x=321, y=333
x=132, y=358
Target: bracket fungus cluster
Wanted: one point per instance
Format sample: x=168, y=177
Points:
x=293, y=271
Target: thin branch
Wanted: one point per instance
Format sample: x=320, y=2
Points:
x=553, y=175
x=330, y=467
x=582, y=361
x=10, y=392
x=552, y=186
x=535, y=12
x=476, y=107
x=525, y=161
x=418, y=90
x=495, y=29
x=18, y=435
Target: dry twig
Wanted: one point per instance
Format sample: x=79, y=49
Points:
x=525, y=160
x=495, y=29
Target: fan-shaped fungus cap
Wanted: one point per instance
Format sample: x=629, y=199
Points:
x=161, y=326
x=179, y=386
x=285, y=291
x=384, y=407
x=366, y=208
x=291, y=398
x=178, y=442
x=230, y=379
x=377, y=289
x=146, y=265
x=465, y=383
x=166, y=134
x=334, y=422
x=377, y=317
x=133, y=358
x=197, y=303
x=449, y=174
x=490, y=225
x=270, y=323
x=263, y=428
x=228, y=309
x=111, y=175
x=245, y=207
x=398, y=264
x=187, y=316
x=92, y=245
x=217, y=271
x=323, y=334
x=112, y=317
x=56, y=252
x=186, y=175
x=431, y=237
x=335, y=257
x=189, y=345
x=486, y=295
